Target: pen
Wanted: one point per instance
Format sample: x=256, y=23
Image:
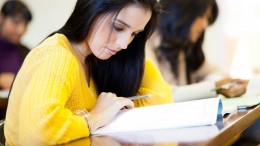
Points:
x=242, y=107
x=140, y=96
x=225, y=86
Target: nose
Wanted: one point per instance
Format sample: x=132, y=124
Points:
x=123, y=41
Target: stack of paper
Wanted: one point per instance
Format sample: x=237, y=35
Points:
x=175, y=115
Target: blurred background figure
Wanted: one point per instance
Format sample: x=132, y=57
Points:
x=181, y=29
x=179, y=54
x=14, y=19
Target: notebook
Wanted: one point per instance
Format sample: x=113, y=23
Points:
x=175, y=115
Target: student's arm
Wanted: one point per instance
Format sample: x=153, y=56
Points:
x=43, y=116
x=154, y=84
x=194, y=91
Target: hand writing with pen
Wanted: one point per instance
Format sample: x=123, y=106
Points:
x=231, y=87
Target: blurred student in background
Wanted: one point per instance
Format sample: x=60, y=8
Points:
x=14, y=19
x=178, y=50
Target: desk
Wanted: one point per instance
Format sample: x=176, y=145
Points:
x=235, y=123
x=219, y=134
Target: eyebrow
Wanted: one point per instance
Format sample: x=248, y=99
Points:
x=127, y=25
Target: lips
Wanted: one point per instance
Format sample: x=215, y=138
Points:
x=112, y=52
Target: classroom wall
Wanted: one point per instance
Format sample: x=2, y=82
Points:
x=233, y=42
x=48, y=16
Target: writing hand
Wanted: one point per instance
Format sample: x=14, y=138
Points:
x=238, y=89
x=107, y=106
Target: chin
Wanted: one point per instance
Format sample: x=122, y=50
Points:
x=103, y=57
x=16, y=42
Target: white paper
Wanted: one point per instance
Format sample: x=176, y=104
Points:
x=244, y=101
x=191, y=134
x=175, y=115
x=4, y=93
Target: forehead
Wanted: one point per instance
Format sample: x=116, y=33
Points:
x=135, y=16
x=17, y=17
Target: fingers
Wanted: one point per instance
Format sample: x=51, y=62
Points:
x=106, y=107
x=122, y=102
x=229, y=80
x=238, y=89
x=241, y=81
x=235, y=91
x=127, y=103
x=113, y=100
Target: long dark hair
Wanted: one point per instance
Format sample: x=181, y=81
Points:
x=174, y=26
x=122, y=73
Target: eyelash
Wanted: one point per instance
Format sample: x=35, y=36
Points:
x=120, y=29
x=117, y=28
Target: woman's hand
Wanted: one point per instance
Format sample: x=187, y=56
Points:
x=107, y=106
x=6, y=80
x=238, y=89
x=104, y=141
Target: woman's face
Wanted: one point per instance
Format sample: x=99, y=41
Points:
x=109, y=34
x=199, y=25
x=13, y=28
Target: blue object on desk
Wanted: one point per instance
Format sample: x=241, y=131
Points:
x=242, y=107
x=219, y=122
x=220, y=109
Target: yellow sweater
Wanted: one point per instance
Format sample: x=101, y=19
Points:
x=50, y=85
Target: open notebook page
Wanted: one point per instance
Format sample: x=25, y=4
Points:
x=175, y=115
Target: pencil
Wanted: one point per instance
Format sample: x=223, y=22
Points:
x=140, y=97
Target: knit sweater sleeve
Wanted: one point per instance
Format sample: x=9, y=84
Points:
x=45, y=120
x=154, y=84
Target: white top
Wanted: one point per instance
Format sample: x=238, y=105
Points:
x=203, y=80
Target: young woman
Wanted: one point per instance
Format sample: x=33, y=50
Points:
x=179, y=50
x=14, y=19
x=78, y=79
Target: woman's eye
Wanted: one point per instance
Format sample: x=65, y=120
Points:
x=118, y=28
